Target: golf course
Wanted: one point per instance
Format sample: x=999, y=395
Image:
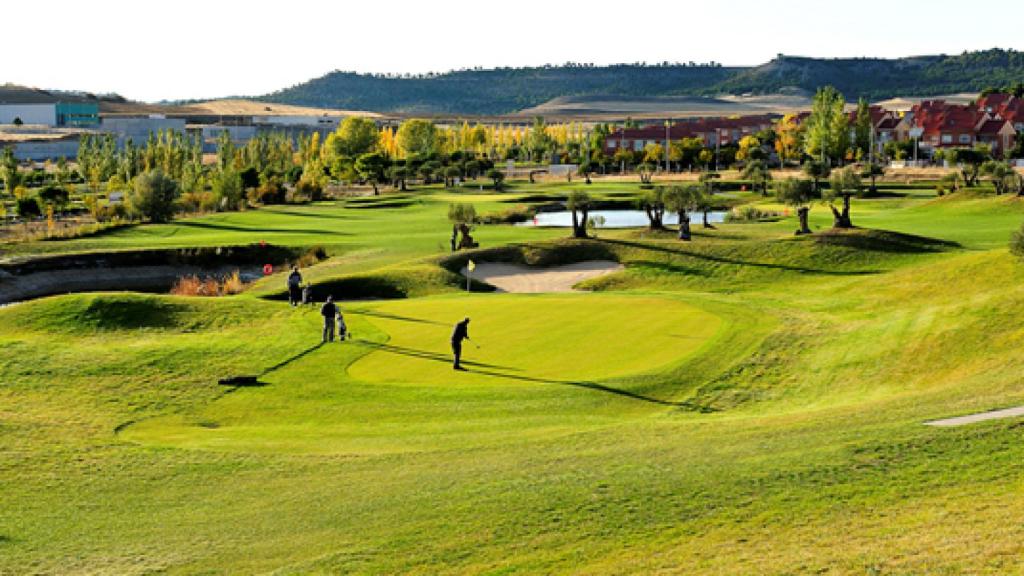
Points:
x=747, y=402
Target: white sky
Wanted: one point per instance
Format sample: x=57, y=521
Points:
x=162, y=49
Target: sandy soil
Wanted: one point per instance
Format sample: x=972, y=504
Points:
x=516, y=278
x=979, y=417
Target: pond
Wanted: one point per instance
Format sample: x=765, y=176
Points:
x=617, y=218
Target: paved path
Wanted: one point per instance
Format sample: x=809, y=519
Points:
x=980, y=417
x=516, y=278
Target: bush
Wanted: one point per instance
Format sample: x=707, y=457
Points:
x=270, y=192
x=750, y=214
x=153, y=196
x=309, y=188
x=1017, y=243
x=209, y=286
x=27, y=207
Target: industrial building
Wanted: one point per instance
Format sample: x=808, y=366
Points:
x=69, y=114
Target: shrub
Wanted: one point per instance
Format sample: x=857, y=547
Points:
x=153, y=196
x=27, y=207
x=1017, y=243
x=209, y=286
x=269, y=192
x=309, y=188
x=750, y=214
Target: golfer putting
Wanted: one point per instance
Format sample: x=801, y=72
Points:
x=460, y=333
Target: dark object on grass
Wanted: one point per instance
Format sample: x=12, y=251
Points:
x=240, y=381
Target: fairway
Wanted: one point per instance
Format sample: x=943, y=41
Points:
x=749, y=402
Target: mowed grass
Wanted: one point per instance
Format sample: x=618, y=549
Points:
x=749, y=403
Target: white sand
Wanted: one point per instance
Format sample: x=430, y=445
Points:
x=516, y=278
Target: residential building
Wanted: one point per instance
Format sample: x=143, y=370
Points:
x=712, y=131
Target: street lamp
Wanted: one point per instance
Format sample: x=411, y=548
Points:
x=668, y=144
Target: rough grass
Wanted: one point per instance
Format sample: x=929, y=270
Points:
x=785, y=439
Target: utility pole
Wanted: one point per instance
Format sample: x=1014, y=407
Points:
x=718, y=145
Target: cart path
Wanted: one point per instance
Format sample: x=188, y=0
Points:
x=979, y=417
x=524, y=279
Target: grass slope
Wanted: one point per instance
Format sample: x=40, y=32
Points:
x=780, y=434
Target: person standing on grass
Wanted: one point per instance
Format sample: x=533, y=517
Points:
x=295, y=287
x=329, y=311
x=460, y=333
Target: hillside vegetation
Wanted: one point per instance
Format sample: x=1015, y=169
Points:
x=506, y=90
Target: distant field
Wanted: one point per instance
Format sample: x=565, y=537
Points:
x=607, y=108
x=228, y=107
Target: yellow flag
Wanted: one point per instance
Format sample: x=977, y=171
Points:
x=471, y=266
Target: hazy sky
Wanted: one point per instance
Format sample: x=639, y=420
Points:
x=152, y=50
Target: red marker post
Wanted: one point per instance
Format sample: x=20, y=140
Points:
x=268, y=269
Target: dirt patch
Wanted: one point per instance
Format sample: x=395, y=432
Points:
x=523, y=279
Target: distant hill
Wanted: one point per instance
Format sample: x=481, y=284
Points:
x=495, y=91
x=508, y=90
x=16, y=94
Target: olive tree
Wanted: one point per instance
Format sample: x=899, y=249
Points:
x=757, y=172
x=462, y=216
x=681, y=200
x=579, y=204
x=798, y=194
x=843, y=185
x=652, y=202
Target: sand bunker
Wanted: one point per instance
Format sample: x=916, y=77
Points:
x=517, y=278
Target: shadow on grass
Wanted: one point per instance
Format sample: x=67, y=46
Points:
x=264, y=229
x=489, y=370
x=253, y=380
x=738, y=262
x=427, y=355
x=387, y=316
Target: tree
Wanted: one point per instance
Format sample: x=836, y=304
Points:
x=817, y=171
x=370, y=167
x=462, y=216
x=789, y=136
x=54, y=196
x=623, y=157
x=705, y=157
x=579, y=204
x=585, y=169
x=9, y=170
x=654, y=153
x=496, y=176
x=227, y=190
x=1001, y=174
x=398, y=175
x=757, y=172
x=153, y=196
x=538, y=142
x=827, y=137
x=746, y=146
x=798, y=194
x=873, y=171
x=970, y=161
x=27, y=207
x=681, y=200
x=417, y=138
x=863, y=127
x=355, y=136
x=652, y=202
x=450, y=174
x=645, y=171
x=684, y=151
x=843, y=184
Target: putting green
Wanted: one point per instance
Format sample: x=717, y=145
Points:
x=548, y=365
x=531, y=339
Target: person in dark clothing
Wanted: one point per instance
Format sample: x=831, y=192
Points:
x=329, y=311
x=460, y=333
x=295, y=287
